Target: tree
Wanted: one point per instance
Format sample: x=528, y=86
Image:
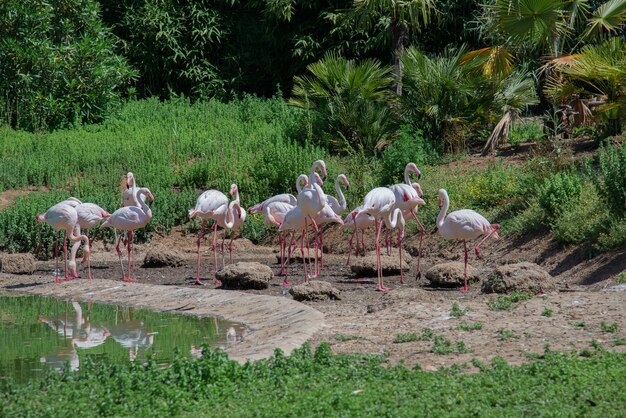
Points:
x=59, y=64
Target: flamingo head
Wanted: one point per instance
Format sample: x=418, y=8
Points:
x=344, y=180
x=105, y=214
x=150, y=196
x=413, y=168
x=233, y=189
x=130, y=180
x=322, y=166
x=439, y=202
x=41, y=217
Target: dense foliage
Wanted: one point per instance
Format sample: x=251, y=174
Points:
x=323, y=384
x=58, y=64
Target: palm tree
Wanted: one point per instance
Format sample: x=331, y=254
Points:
x=402, y=16
x=349, y=101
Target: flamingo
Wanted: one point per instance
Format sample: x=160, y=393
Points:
x=63, y=216
x=288, y=198
x=89, y=215
x=463, y=225
x=408, y=198
x=239, y=217
x=129, y=219
x=325, y=216
x=212, y=204
x=312, y=199
x=274, y=214
x=380, y=203
x=358, y=220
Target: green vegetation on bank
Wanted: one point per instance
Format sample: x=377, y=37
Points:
x=179, y=149
x=323, y=384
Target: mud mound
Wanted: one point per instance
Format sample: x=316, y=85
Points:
x=315, y=290
x=521, y=277
x=162, y=256
x=245, y=275
x=450, y=274
x=18, y=264
x=366, y=266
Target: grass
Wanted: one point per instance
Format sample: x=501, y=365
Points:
x=457, y=311
x=442, y=346
x=579, y=324
x=547, y=312
x=506, y=334
x=344, y=338
x=612, y=329
x=407, y=337
x=508, y=302
x=319, y=383
x=470, y=326
x=621, y=278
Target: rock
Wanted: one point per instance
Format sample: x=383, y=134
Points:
x=616, y=288
x=245, y=275
x=521, y=277
x=315, y=290
x=366, y=266
x=161, y=256
x=450, y=274
x=18, y=264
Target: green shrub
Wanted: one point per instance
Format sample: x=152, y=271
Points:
x=614, y=237
x=613, y=166
x=506, y=302
x=58, y=66
x=457, y=311
x=470, y=326
x=558, y=192
x=410, y=146
x=547, y=312
x=582, y=220
x=406, y=338
x=525, y=131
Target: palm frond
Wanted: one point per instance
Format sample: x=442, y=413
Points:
x=607, y=18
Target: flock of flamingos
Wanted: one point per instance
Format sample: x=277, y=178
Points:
x=291, y=214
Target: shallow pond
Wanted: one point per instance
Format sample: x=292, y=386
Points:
x=38, y=332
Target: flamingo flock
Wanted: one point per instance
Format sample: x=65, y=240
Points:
x=388, y=207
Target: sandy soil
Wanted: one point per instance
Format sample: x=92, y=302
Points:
x=368, y=321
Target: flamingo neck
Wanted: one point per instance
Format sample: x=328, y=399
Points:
x=443, y=211
x=393, y=218
x=407, y=179
x=316, y=165
x=342, y=198
x=144, y=207
x=229, y=222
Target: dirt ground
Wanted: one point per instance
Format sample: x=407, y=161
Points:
x=367, y=321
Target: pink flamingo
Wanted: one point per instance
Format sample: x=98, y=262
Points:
x=212, y=204
x=89, y=215
x=129, y=191
x=325, y=216
x=358, y=220
x=338, y=206
x=290, y=199
x=312, y=199
x=129, y=219
x=408, y=197
x=63, y=216
x=274, y=214
x=239, y=217
x=463, y=225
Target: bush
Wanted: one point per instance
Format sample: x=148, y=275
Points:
x=613, y=187
x=614, y=237
x=558, y=192
x=583, y=220
x=410, y=146
x=58, y=66
x=525, y=131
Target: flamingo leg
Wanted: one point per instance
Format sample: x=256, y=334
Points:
x=494, y=230
x=57, y=272
x=400, y=251
x=129, y=249
x=362, y=242
x=315, y=244
x=381, y=287
x=350, y=244
x=67, y=277
x=200, y=235
x=76, y=237
x=282, y=254
x=321, y=266
x=306, y=276
x=119, y=252
x=217, y=281
x=230, y=247
x=464, y=289
x=288, y=254
x=419, y=254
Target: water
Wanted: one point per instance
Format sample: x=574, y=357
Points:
x=41, y=332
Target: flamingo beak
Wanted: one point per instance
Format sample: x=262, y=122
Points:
x=439, y=202
x=151, y=197
x=128, y=182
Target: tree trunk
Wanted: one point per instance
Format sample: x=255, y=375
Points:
x=398, y=34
